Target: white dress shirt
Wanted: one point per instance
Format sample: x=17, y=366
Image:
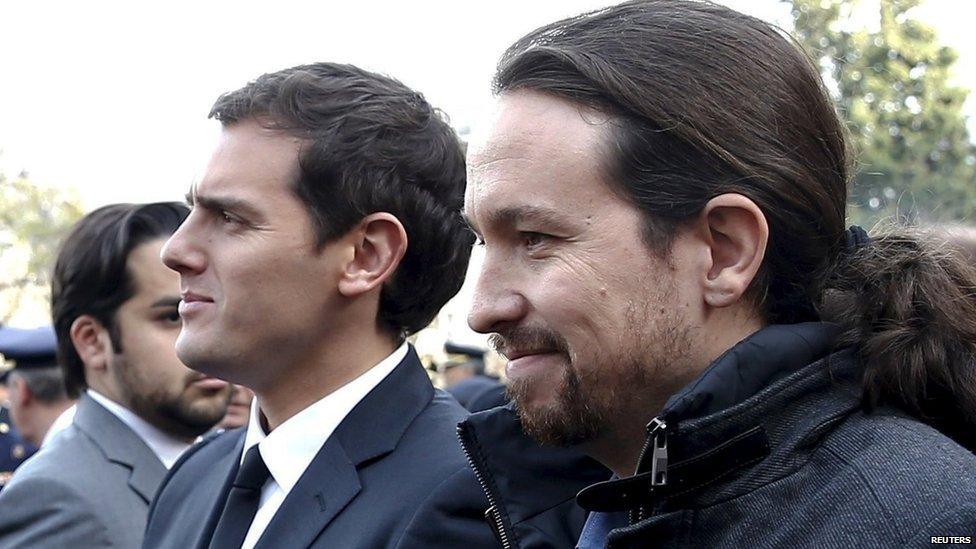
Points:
x=60, y=424
x=167, y=448
x=290, y=448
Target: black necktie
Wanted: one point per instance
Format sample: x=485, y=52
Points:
x=242, y=502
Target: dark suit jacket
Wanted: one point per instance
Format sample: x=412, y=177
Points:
x=391, y=475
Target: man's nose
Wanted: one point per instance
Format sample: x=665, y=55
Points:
x=496, y=301
x=181, y=252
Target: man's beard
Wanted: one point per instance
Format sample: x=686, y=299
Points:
x=178, y=415
x=615, y=388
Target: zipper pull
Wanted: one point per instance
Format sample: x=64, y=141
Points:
x=657, y=431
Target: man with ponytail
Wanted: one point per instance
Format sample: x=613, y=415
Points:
x=661, y=200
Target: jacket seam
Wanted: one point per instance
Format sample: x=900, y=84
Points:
x=857, y=470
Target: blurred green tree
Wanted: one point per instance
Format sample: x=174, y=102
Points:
x=33, y=218
x=915, y=159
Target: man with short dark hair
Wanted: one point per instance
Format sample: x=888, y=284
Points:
x=661, y=200
x=114, y=306
x=36, y=384
x=324, y=231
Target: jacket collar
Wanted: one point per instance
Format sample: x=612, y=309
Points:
x=120, y=445
x=521, y=478
x=764, y=400
x=371, y=430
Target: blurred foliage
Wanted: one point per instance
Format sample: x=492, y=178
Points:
x=915, y=159
x=33, y=218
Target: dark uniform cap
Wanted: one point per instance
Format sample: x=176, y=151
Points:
x=29, y=348
x=458, y=355
x=452, y=348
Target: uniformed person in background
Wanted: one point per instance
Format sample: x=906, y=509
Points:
x=13, y=449
x=465, y=378
x=28, y=354
x=39, y=404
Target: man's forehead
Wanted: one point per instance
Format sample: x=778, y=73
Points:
x=533, y=159
x=527, y=123
x=150, y=278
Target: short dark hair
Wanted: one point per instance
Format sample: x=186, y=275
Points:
x=91, y=278
x=46, y=384
x=370, y=145
x=706, y=101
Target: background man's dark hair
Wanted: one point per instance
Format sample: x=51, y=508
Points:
x=707, y=101
x=371, y=145
x=46, y=384
x=90, y=276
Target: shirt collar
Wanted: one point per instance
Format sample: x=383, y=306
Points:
x=166, y=447
x=291, y=447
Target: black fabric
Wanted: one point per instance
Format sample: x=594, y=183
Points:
x=531, y=487
x=467, y=391
x=816, y=469
x=754, y=363
x=242, y=502
x=833, y=476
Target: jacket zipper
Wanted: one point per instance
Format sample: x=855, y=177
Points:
x=493, y=513
x=657, y=445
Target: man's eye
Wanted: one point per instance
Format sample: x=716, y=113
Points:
x=227, y=218
x=172, y=317
x=533, y=240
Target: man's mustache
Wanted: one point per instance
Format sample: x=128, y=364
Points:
x=527, y=340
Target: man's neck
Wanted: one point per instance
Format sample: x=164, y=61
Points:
x=618, y=452
x=45, y=416
x=302, y=385
x=620, y=446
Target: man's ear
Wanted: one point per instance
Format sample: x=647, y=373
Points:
x=92, y=342
x=736, y=233
x=20, y=392
x=380, y=241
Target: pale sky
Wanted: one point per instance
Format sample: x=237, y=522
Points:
x=111, y=98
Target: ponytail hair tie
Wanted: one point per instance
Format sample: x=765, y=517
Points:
x=856, y=237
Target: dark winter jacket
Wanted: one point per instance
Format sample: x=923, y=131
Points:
x=771, y=447
x=531, y=489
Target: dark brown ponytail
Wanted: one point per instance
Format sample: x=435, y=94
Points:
x=906, y=302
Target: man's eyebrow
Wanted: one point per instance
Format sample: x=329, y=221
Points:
x=228, y=204
x=539, y=214
x=169, y=301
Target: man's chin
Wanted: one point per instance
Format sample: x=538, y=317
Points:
x=197, y=354
x=553, y=421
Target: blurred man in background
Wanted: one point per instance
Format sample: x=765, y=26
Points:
x=238, y=409
x=114, y=306
x=465, y=378
x=36, y=384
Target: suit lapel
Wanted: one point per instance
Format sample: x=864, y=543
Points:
x=216, y=485
x=326, y=487
x=121, y=445
x=370, y=431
